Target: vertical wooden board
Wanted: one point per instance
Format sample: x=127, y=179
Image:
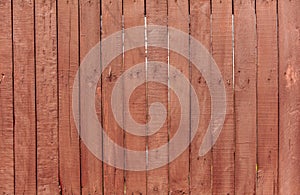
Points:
x=68, y=57
x=223, y=150
x=6, y=101
x=111, y=23
x=245, y=96
x=267, y=97
x=24, y=98
x=178, y=17
x=91, y=167
x=200, y=167
x=289, y=96
x=156, y=13
x=46, y=97
x=136, y=182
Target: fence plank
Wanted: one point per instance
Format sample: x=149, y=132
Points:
x=200, y=166
x=289, y=95
x=245, y=96
x=46, y=94
x=223, y=151
x=111, y=23
x=6, y=101
x=24, y=98
x=68, y=57
x=91, y=167
x=178, y=17
x=156, y=13
x=267, y=97
x=136, y=182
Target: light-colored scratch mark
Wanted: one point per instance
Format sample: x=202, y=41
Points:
x=290, y=76
x=2, y=78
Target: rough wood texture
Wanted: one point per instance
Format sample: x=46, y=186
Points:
x=156, y=13
x=91, y=167
x=24, y=98
x=178, y=17
x=136, y=182
x=111, y=23
x=68, y=62
x=6, y=101
x=245, y=96
x=223, y=150
x=267, y=97
x=46, y=97
x=289, y=96
x=200, y=167
x=43, y=42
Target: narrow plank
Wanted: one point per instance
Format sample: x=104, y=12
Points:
x=46, y=98
x=267, y=97
x=223, y=151
x=91, y=167
x=111, y=23
x=156, y=13
x=6, y=101
x=289, y=96
x=24, y=98
x=68, y=56
x=200, y=166
x=136, y=182
x=178, y=17
x=245, y=96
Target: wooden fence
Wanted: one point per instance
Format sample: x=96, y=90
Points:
x=256, y=45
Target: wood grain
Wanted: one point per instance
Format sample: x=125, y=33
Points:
x=136, y=182
x=46, y=97
x=223, y=150
x=267, y=97
x=255, y=44
x=24, y=98
x=68, y=62
x=111, y=23
x=156, y=13
x=200, y=167
x=91, y=167
x=245, y=96
x=6, y=101
x=178, y=17
x=289, y=96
